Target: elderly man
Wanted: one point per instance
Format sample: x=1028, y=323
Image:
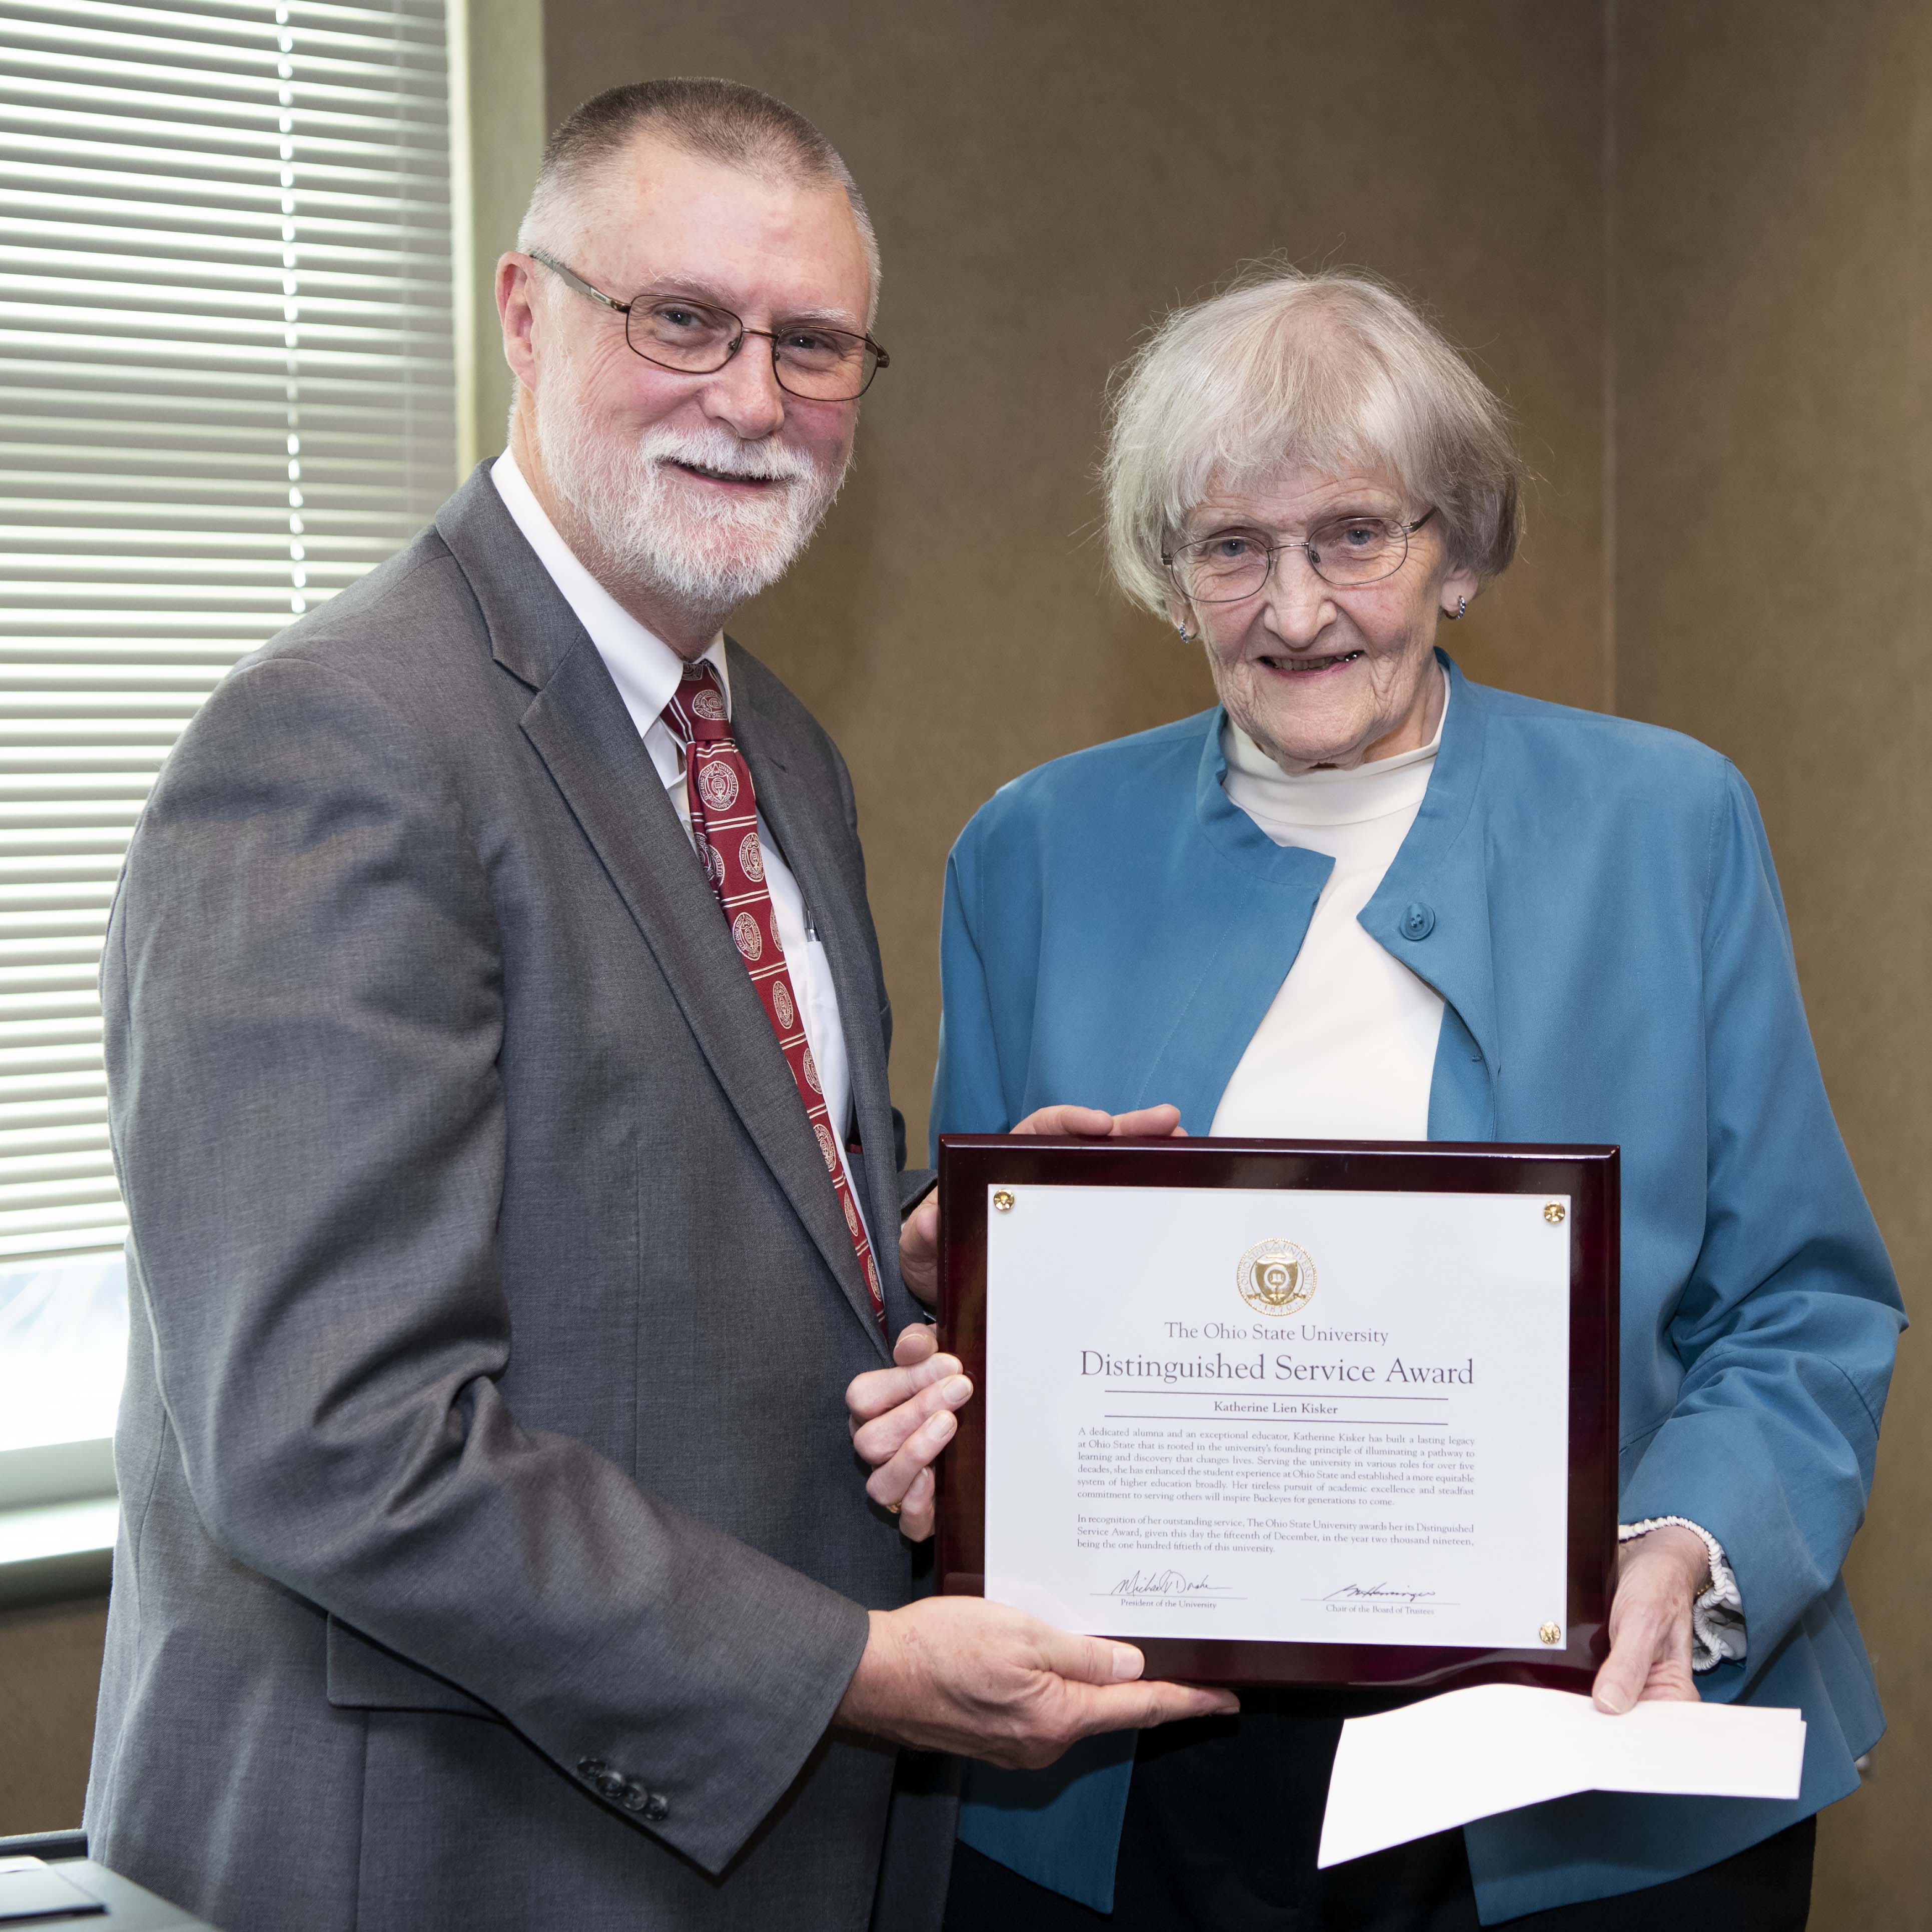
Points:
x=497, y=1042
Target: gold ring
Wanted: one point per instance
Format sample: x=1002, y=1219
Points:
x=894, y=1508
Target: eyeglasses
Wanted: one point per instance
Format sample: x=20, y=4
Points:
x=808, y=360
x=1346, y=551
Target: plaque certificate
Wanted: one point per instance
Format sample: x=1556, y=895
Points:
x=1285, y=1412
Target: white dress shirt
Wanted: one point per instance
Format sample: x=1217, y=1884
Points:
x=646, y=671
x=1347, y=1051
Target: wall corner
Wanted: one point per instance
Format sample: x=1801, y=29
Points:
x=497, y=125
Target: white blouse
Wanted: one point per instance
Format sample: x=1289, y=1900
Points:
x=1347, y=1050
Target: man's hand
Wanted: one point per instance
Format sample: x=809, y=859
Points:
x=959, y=1674
x=901, y=1418
x=1659, y=1576
x=919, y=1234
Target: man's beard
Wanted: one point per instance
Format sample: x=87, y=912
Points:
x=662, y=530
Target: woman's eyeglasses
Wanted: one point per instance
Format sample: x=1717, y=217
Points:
x=1345, y=551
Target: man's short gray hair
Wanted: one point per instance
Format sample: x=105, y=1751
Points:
x=718, y=119
x=1334, y=370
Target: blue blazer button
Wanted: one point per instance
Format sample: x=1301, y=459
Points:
x=1419, y=922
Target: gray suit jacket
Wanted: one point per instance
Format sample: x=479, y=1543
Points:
x=493, y=1549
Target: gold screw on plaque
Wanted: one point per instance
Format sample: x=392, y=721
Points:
x=1553, y=1214
x=1549, y=1633
x=1003, y=1202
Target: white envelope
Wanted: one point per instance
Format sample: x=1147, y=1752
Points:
x=1470, y=1753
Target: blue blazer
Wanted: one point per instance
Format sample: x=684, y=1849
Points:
x=1595, y=901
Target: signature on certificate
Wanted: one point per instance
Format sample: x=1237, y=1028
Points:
x=1383, y=1592
x=1161, y=1583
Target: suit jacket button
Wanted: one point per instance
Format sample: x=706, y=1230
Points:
x=611, y=1784
x=657, y=1809
x=589, y=1767
x=635, y=1798
x=1418, y=922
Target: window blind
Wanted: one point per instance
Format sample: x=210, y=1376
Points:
x=226, y=390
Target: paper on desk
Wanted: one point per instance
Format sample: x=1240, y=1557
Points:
x=1469, y=1753
x=30, y=1890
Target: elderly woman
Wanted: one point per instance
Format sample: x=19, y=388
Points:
x=1364, y=898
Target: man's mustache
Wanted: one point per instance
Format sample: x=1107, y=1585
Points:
x=725, y=455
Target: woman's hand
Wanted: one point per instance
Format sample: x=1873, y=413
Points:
x=919, y=1234
x=1660, y=1575
x=901, y=1418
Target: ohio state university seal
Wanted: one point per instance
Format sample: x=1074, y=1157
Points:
x=1276, y=1278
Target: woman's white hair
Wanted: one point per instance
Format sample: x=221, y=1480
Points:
x=1333, y=371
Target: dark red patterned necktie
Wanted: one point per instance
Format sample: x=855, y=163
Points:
x=725, y=824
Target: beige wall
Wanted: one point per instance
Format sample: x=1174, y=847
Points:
x=49, y=1665
x=1774, y=523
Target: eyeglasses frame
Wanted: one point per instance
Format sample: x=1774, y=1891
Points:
x=1169, y=558
x=881, y=360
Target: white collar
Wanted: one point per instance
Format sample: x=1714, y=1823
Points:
x=645, y=669
x=1372, y=790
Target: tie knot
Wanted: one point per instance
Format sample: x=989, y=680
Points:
x=696, y=712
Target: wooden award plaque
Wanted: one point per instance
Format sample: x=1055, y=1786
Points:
x=974, y=1170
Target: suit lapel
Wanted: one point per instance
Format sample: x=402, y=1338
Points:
x=578, y=724
x=1245, y=904
x=1432, y=911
